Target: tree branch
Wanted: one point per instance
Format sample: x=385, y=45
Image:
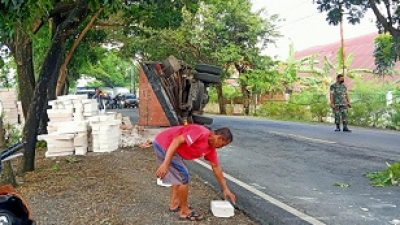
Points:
x=62, y=8
x=37, y=24
x=382, y=19
x=63, y=74
x=387, y=4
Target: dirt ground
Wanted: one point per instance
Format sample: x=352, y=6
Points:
x=110, y=189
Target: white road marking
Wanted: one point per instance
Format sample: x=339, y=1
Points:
x=266, y=197
x=295, y=136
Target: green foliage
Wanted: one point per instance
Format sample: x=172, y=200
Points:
x=342, y=185
x=111, y=70
x=41, y=144
x=387, y=15
x=212, y=94
x=305, y=106
x=220, y=32
x=56, y=167
x=369, y=104
x=22, y=14
x=40, y=43
x=353, y=10
x=322, y=77
x=230, y=93
x=320, y=108
x=388, y=177
x=265, y=77
x=385, y=55
x=291, y=67
x=298, y=108
x=272, y=109
x=13, y=134
x=395, y=116
x=284, y=111
x=7, y=78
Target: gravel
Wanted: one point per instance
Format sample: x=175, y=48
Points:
x=110, y=189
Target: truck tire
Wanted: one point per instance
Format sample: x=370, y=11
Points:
x=198, y=100
x=205, y=68
x=202, y=120
x=208, y=78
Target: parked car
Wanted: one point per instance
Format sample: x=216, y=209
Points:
x=89, y=91
x=130, y=101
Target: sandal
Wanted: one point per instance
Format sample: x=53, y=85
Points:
x=193, y=216
x=177, y=209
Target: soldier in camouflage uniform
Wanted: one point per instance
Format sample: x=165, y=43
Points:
x=340, y=102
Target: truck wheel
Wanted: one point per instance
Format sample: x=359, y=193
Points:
x=202, y=120
x=199, y=93
x=205, y=68
x=208, y=78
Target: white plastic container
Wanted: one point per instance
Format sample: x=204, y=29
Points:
x=222, y=209
x=162, y=184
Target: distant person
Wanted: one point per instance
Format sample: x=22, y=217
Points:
x=340, y=102
x=100, y=97
x=176, y=144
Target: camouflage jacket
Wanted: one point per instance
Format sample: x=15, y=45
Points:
x=339, y=92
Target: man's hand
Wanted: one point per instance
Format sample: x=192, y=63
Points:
x=332, y=105
x=228, y=195
x=162, y=170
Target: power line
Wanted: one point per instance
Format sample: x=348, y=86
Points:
x=298, y=20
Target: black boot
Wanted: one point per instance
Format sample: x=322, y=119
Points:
x=337, y=128
x=346, y=129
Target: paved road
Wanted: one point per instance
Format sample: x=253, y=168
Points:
x=298, y=164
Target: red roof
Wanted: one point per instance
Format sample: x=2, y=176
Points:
x=361, y=48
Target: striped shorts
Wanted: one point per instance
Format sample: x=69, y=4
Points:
x=177, y=173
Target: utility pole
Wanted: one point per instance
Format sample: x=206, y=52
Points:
x=342, y=38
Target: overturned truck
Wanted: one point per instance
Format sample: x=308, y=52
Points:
x=174, y=93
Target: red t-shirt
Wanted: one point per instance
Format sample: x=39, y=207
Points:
x=196, y=142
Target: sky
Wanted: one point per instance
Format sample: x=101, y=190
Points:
x=306, y=27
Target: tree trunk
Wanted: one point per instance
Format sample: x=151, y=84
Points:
x=63, y=70
x=7, y=173
x=49, y=70
x=246, y=99
x=51, y=90
x=21, y=48
x=221, y=100
x=65, y=88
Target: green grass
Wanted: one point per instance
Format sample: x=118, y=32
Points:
x=388, y=177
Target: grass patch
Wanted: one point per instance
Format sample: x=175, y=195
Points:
x=388, y=177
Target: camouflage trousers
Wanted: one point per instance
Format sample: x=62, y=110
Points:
x=340, y=111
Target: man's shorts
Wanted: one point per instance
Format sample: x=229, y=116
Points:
x=177, y=173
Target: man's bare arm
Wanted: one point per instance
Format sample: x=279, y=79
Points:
x=173, y=147
x=219, y=175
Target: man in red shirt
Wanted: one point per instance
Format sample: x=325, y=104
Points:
x=179, y=143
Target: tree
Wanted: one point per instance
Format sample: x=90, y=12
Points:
x=323, y=76
x=237, y=37
x=224, y=33
x=111, y=70
x=20, y=20
x=387, y=13
x=385, y=55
